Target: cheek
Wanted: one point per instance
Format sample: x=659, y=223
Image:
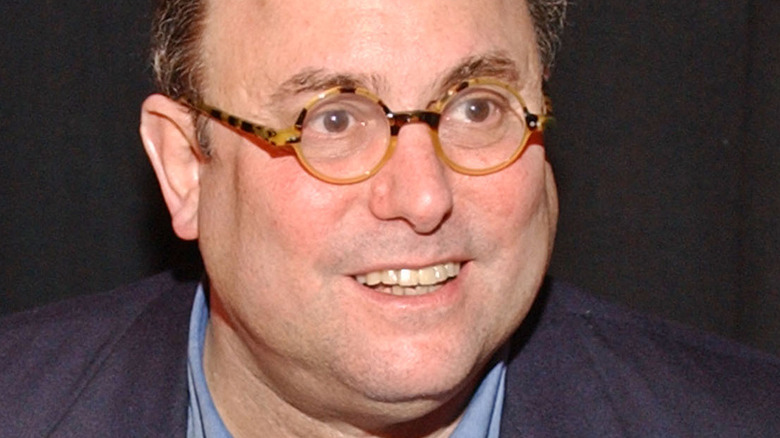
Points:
x=510, y=203
x=302, y=212
x=510, y=214
x=531, y=227
x=287, y=220
x=256, y=211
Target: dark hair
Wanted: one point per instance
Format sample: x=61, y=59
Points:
x=178, y=25
x=549, y=17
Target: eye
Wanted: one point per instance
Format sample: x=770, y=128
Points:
x=484, y=107
x=332, y=121
x=342, y=115
x=477, y=110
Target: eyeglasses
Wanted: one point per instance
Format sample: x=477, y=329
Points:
x=345, y=135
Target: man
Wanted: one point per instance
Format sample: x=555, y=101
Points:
x=369, y=190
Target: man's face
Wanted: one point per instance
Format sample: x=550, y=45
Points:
x=283, y=250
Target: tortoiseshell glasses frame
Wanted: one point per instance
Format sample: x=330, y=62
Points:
x=487, y=144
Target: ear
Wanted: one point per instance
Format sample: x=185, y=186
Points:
x=168, y=135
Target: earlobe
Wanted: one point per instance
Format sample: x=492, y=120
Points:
x=168, y=135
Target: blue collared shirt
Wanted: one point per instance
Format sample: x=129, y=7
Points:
x=481, y=419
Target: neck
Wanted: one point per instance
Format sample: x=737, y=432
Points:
x=250, y=404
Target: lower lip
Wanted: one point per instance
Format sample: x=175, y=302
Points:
x=447, y=294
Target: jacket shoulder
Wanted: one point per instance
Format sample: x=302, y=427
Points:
x=586, y=364
x=84, y=358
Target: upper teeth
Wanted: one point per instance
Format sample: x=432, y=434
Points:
x=411, y=277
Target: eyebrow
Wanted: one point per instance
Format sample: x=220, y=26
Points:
x=495, y=64
x=313, y=79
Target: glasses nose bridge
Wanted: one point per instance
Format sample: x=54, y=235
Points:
x=399, y=120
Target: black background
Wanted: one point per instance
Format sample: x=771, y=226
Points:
x=667, y=154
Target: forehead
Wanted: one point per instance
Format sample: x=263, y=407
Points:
x=252, y=47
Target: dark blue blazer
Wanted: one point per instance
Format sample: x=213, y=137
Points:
x=115, y=365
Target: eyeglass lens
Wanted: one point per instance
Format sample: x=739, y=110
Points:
x=346, y=135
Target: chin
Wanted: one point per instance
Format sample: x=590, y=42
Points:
x=409, y=374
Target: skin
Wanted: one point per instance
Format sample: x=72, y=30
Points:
x=295, y=346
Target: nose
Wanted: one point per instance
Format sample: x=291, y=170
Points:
x=414, y=185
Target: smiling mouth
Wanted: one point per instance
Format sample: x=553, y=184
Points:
x=410, y=281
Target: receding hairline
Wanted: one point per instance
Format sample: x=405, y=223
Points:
x=177, y=37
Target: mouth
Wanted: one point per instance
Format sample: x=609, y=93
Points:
x=410, y=282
